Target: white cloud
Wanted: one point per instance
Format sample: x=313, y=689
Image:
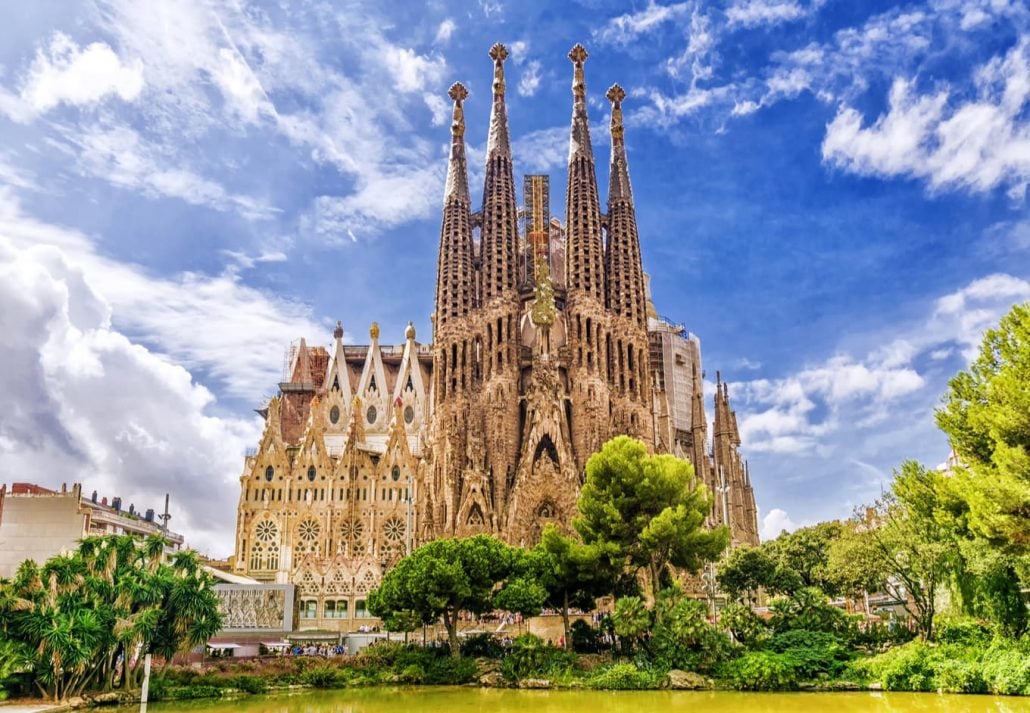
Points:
x=439, y=107
x=775, y=522
x=807, y=412
x=271, y=74
x=382, y=201
x=241, y=87
x=626, y=28
x=65, y=74
x=542, y=150
x=976, y=145
x=411, y=71
x=529, y=82
x=120, y=156
x=216, y=324
x=754, y=13
x=444, y=32
x=86, y=404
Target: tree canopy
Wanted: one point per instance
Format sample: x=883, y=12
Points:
x=445, y=577
x=114, y=598
x=986, y=414
x=647, y=510
x=571, y=573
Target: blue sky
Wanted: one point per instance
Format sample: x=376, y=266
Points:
x=831, y=194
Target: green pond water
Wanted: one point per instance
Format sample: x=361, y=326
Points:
x=475, y=700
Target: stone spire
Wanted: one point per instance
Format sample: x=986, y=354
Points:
x=454, y=280
x=457, y=187
x=624, y=271
x=584, y=270
x=500, y=212
x=498, y=139
x=618, y=179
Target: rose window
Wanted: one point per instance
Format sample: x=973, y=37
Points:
x=393, y=530
x=351, y=530
x=307, y=533
x=266, y=531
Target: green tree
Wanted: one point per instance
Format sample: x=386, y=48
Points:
x=571, y=573
x=113, y=599
x=911, y=552
x=647, y=512
x=804, y=553
x=746, y=570
x=446, y=577
x=986, y=414
x=853, y=565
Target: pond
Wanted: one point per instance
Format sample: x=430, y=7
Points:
x=486, y=700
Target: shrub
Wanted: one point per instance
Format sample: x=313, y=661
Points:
x=449, y=671
x=904, y=668
x=747, y=627
x=1006, y=670
x=412, y=673
x=482, y=646
x=249, y=683
x=585, y=640
x=623, y=677
x=808, y=609
x=957, y=676
x=761, y=671
x=321, y=677
x=962, y=630
x=811, y=653
x=530, y=656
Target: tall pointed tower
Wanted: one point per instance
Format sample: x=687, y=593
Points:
x=453, y=342
x=591, y=344
x=624, y=293
x=497, y=344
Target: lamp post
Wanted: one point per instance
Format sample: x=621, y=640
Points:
x=407, y=524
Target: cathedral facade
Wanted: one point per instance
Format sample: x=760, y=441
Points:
x=545, y=345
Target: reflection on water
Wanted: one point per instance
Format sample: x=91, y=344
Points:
x=476, y=700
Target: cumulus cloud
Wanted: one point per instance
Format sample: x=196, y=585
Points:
x=64, y=73
x=976, y=145
x=214, y=324
x=775, y=522
x=86, y=404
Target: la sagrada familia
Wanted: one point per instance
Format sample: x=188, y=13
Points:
x=545, y=345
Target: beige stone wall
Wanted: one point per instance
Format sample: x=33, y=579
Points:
x=37, y=527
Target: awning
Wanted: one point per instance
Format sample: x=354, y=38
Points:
x=276, y=644
x=223, y=646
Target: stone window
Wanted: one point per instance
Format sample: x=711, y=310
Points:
x=308, y=532
x=393, y=530
x=334, y=414
x=269, y=473
x=308, y=608
x=335, y=609
x=311, y=473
